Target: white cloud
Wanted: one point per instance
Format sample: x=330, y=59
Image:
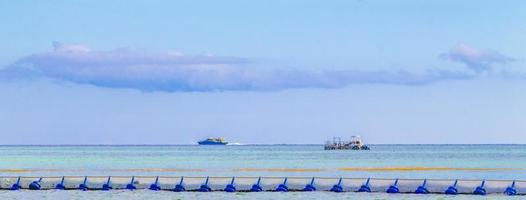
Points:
x=475, y=59
x=124, y=68
x=70, y=48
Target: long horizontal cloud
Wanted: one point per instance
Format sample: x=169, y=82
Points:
x=177, y=72
x=475, y=59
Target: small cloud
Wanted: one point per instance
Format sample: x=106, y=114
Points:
x=476, y=59
x=177, y=72
x=70, y=48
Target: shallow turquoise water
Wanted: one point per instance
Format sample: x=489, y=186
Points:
x=387, y=161
x=498, y=161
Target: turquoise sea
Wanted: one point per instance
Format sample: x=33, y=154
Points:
x=493, y=162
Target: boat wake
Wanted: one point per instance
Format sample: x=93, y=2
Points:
x=235, y=144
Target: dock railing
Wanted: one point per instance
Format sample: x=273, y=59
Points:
x=246, y=184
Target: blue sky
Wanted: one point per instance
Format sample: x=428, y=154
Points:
x=171, y=72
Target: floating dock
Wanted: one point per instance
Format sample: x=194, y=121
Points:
x=270, y=184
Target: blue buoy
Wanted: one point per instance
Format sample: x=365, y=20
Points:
x=422, y=189
x=257, y=187
x=511, y=191
x=155, y=186
x=131, y=185
x=338, y=187
x=61, y=185
x=180, y=187
x=365, y=187
x=452, y=190
x=84, y=185
x=480, y=190
x=231, y=187
x=283, y=187
x=107, y=186
x=17, y=185
x=393, y=188
x=310, y=187
x=35, y=185
x=204, y=187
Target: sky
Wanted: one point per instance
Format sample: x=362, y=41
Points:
x=265, y=72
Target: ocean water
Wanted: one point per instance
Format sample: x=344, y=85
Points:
x=499, y=162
